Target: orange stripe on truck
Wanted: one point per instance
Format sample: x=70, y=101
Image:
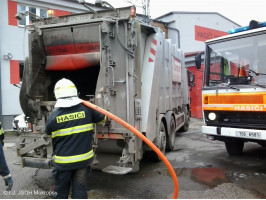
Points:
x=67, y=49
x=235, y=98
x=235, y=102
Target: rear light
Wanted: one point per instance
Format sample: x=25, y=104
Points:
x=30, y=126
x=50, y=13
x=133, y=11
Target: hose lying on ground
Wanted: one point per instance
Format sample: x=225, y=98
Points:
x=141, y=136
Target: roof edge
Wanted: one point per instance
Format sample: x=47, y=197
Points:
x=195, y=12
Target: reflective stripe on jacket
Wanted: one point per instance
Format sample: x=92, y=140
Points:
x=2, y=136
x=1, y=130
x=72, y=130
x=73, y=159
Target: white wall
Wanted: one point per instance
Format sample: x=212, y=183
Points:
x=185, y=23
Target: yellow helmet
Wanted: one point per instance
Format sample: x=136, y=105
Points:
x=65, y=88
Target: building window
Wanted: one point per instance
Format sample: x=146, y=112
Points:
x=43, y=13
x=27, y=20
x=21, y=68
x=32, y=10
x=22, y=9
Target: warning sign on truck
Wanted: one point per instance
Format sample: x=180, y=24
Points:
x=176, y=66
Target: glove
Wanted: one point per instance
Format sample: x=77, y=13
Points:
x=8, y=183
x=2, y=136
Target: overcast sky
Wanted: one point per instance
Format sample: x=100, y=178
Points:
x=239, y=11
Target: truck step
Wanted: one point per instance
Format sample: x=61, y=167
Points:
x=111, y=169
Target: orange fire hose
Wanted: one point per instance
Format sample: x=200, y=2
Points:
x=147, y=141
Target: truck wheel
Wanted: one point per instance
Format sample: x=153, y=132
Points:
x=171, y=135
x=234, y=147
x=151, y=155
x=162, y=139
x=186, y=124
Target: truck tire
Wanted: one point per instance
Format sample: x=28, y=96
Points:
x=162, y=139
x=186, y=124
x=151, y=155
x=171, y=135
x=234, y=147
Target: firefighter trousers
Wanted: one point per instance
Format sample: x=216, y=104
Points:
x=74, y=179
x=4, y=171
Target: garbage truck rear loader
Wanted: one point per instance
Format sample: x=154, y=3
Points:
x=117, y=62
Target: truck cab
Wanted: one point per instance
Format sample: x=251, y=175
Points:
x=234, y=88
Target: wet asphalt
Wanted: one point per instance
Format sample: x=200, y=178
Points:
x=203, y=167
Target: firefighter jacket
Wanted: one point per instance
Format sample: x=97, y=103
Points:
x=71, y=130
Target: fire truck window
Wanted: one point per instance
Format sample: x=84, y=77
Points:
x=262, y=59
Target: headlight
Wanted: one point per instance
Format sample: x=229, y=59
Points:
x=212, y=116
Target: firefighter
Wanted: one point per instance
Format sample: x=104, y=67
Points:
x=70, y=126
x=4, y=171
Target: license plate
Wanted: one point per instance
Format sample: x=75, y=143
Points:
x=79, y=18
x=248, y=134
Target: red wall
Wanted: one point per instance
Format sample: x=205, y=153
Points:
x=12, y=11
x=14, y=72
x=195, y=92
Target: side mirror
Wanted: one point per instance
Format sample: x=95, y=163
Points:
x=198, y=60
x=192, y=79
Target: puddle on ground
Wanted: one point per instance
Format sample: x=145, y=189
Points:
x=210, y=177
x=207, y=176
x=213, y=177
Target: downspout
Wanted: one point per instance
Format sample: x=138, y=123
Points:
x=175, y=29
